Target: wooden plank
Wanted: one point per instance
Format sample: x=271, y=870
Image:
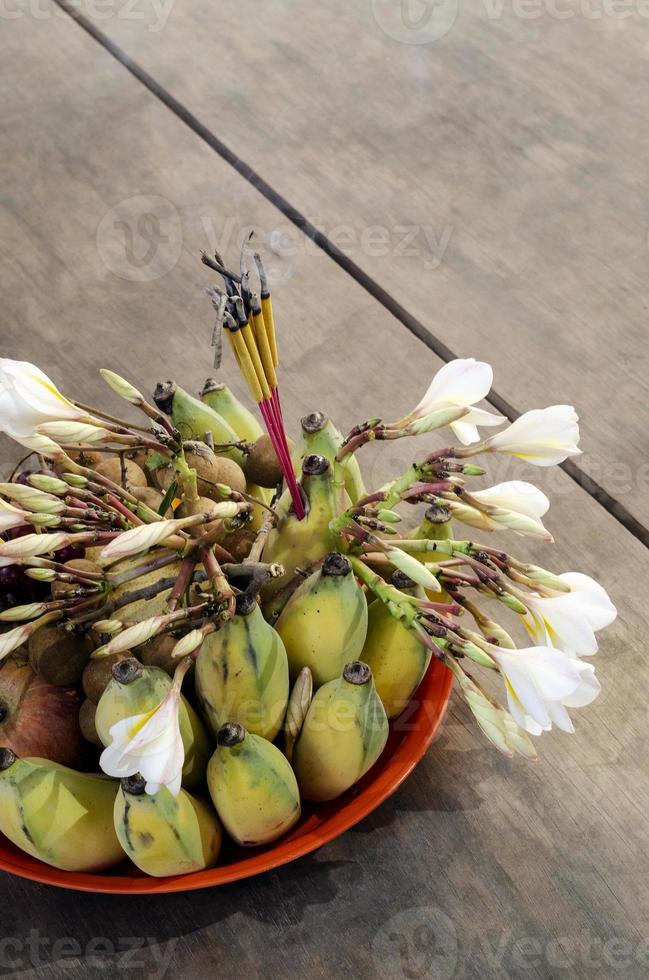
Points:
x=492, y=181
x=495, y=863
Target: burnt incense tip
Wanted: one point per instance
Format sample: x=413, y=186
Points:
x=336, y=564
x=211, y=384
x=7, y=758
x=230, y=734
x=127, y=671
x=438, y=514
x=134, y=785
x=314, y=422
x=315, y=465
x=357, y=672
x=400, y=580
x=245, y=604
x=163, y=395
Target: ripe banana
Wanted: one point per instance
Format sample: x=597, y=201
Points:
x=194, y=419
x=252, y=787
x=218, y=397
x=319, y=435
x=343, y=735
x=131, y=606
x=135, y=690
x=165, y=835
x=396, y=656
x=324, y=623
x=242, y=673
x=293, y=543
x=61, y=817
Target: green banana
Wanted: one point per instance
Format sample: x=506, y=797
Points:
x=165, y=835
x=319, y=435
x=396, y=656
x=293, y=543
x=343, y=735
x=324, y=623
x=135, y=690
x=61, y=817
x=252, y=787
x=435, y=526
x=194, y=419
x=242, y=673
x=218, y=397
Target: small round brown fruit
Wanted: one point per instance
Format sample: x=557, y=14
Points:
x=87, y=713
x=97, y=675
x=239, y=543
x=157, y=653
x=57, y=656
x=210, y=470
x=261, y=464
x=84, y=457
x=112, y=470
x=152, y=498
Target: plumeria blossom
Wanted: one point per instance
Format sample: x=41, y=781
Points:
x=150, y=744
x=11, y=516
x=542, y=683
x=516, y=505
x=543, y=436
x=461, y=382
x=27, y=399
x=568, y=621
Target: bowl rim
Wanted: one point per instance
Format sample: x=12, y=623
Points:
x=376, y=786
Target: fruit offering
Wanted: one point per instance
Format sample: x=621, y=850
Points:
x=207, y=628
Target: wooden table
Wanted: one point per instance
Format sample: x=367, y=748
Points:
x=526, y=137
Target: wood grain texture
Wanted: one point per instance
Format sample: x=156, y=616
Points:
x=477, y=867
x=492, y=181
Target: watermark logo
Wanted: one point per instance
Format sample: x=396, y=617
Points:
x=415, y=21
x=140, y=239
x=416, y=944
x=152, y=14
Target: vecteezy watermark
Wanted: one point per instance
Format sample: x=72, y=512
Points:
x=415, y=21
x=153, y=14
x=141, y=238
x=25, y=953
x=416, y=944
x=428, y=21
x=283, y=244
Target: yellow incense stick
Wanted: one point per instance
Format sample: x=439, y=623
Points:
x=263, y=346
x=269, y=322
x=245, y=363
x=249, y=340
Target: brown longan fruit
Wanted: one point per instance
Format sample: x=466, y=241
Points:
x=60, y=589
x=261, y=464
x=87, y=713
x=97, y=675
x=112, y=470
x=59, y=657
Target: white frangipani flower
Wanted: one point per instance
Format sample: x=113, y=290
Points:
x=541, y=683
x=515, y=505
x=27, y=399
x=461, y=382
x=150, y=744
x=568, y=621
x=496, y=723
x=543, y=436
x=14, y=638
x=11, y=516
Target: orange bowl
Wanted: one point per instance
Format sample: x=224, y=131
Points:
x=410, y=736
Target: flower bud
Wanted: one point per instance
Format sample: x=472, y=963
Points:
x=32, y=499
x=34, y=544
x=122, y=387
x=41, y=574
x=188, y=644
x=389, y=517
x=108, y=626
x=49, y=484
x=44, y=520
x=68, y=433
x=75, y=480
x=537, y=574
x=413, y=568
x=19, y=613
x=133, y=636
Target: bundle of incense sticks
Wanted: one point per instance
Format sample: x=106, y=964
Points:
x=250, y=326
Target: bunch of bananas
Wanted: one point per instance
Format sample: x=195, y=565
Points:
x=241, y=614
